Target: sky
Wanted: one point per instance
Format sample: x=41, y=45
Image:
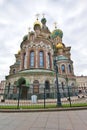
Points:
x=16, y=16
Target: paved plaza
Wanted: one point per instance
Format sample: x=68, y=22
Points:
x=57, y=120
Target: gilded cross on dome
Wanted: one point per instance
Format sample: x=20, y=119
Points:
x=37, y=16
x=55, y=24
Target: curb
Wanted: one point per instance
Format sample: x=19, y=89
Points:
x=42, y=110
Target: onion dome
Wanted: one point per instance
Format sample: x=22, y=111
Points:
x=43, y=21
x=31, y=33
x=44, y=28
x=25, y=37
x=59, y=46
x=57, y=32
x=37, y=24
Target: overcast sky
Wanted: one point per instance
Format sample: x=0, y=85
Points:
x=17, y=15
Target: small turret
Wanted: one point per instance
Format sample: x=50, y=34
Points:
x=44, y=27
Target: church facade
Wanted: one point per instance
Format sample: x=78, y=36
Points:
x=35, y=60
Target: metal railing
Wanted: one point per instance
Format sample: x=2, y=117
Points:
x=28, y=98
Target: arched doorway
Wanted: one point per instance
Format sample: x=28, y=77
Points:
x=23, y=88
x=47, y=88
x=36, y=86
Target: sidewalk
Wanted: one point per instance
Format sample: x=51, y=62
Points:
x=56, y=120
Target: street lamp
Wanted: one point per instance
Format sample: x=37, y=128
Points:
x=57, y=84
x=68, y=90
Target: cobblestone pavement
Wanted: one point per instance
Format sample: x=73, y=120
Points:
x=61, y=120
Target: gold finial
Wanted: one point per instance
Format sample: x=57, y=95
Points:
x=43, y=15
x=37, y=16
x=55, y=24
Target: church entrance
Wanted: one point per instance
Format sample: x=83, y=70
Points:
x=24, y=92
x=22, y=87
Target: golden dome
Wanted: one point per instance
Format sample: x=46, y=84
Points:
x=59, y=46
x=19, y=51
x=37, y=23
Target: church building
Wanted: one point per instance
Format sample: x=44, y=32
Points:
x=35, y=60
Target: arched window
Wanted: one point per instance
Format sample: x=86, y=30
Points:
x=32, y=59
x=49, y=61
x=41, y=59
x=36, y=86
x=69, y=68
x=63, y=68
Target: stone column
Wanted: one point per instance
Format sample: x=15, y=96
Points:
x=22, y=61
x=51, y=61
x=36, y=60
x=45, y=59
x=26, y=59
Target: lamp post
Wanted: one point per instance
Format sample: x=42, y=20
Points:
x=68, y=90
x=57, y=84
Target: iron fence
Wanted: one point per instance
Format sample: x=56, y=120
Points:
x=28, y=98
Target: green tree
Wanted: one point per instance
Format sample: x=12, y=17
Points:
x=21, y=81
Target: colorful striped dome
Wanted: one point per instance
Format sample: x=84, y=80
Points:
x=57, y=32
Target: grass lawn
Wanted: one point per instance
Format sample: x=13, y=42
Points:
x=35, y=106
